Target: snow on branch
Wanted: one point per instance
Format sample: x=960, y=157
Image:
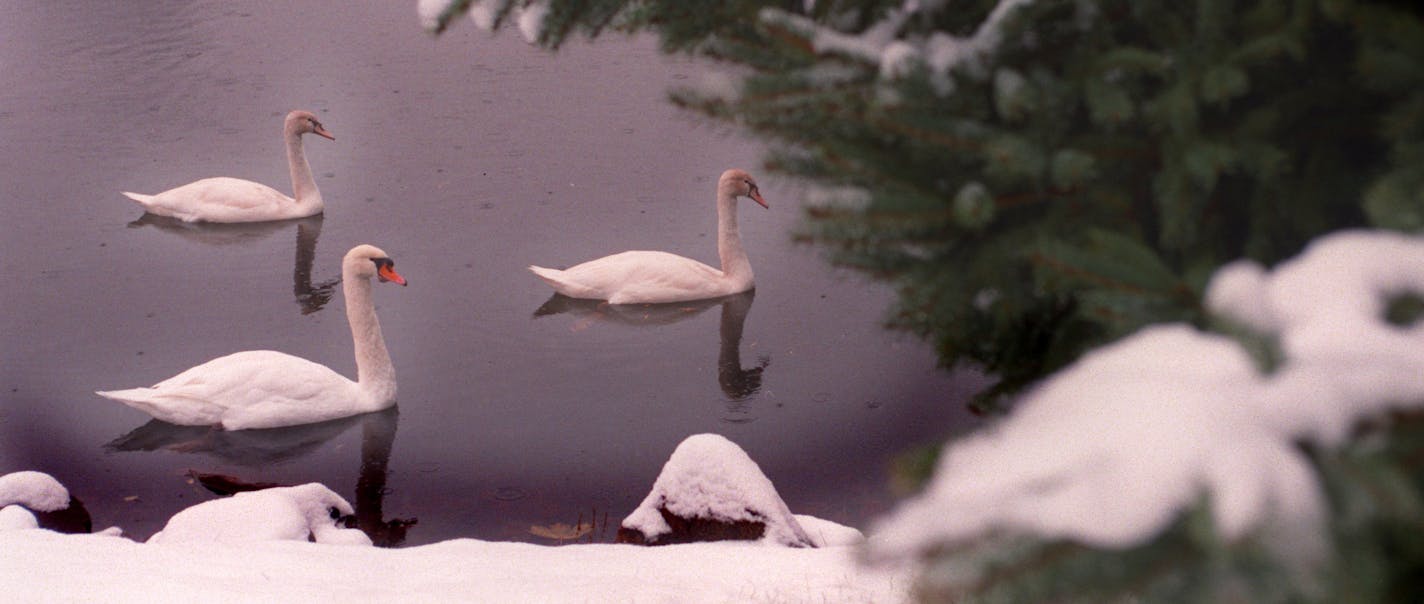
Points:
x=1111, y=450
x=882, y=45
x=436, y=15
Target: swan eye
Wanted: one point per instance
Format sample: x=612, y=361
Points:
x=335, y=513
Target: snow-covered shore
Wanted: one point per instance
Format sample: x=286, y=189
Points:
x=44, y=566
x=288, y=543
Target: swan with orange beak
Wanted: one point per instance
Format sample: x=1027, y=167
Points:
x=269, y=389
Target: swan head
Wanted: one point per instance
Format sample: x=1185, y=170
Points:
x=301, y=122
x=737, y=183
x=367, y=261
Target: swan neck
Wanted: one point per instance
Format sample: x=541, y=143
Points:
x=375, y=374
x=729, y=240
x=304, y=189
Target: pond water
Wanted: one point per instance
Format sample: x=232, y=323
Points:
x=466, y=157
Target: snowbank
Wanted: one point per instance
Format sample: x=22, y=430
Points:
x=40, y=565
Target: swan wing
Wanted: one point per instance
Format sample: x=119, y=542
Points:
x=638, y=277
x=220, y=199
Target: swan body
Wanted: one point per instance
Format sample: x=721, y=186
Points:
x=652, y=277
x=225, y=199
x=269, y=389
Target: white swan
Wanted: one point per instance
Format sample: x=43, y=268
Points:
x=267, y=389
x=225, y=199
x=653, y=277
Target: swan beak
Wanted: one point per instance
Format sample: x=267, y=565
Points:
x=388, y=273
x=320, y=131
x=756, y=196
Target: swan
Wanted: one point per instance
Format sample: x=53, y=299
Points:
x=224, y=199
x=268, y=389
x=644, y=277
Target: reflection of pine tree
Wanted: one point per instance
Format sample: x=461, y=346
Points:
x=1037, y=178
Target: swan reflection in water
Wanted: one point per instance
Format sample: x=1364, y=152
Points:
x=737, y=383
x=310, y=297
x=257, y=448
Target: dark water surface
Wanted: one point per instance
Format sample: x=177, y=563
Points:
x=466, y=158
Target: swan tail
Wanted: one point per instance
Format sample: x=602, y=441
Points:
x=549, y=275
x=560, y=282
x=143, y=200
x=184, y=411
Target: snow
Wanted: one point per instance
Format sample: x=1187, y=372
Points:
x=825, y=533
x=283, y=544
x=39, y=565
x=710, y=477
x=14, y=518
x=944, y=53
x=284, y=513
x=895, y=55
x=483, y=15
x=34, y=490
x=430, y=11
x=897, y=60
x=529, y=17
x=720, y=86
x=1109, y=451
x=1238, y=292
x=531, y=20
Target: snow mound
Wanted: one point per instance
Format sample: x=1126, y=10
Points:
x=34, y=490
x=17, y=518
x=301, y=513
x=1109, y=451
x=710, y=478
x=40, y=566
x=825, y=533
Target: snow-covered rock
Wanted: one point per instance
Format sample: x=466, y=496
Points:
x=34, y=490
x=306, y=512
x=710, y=490
x=39, y=501
x=1109, y=451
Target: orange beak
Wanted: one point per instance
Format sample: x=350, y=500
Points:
x=387, y=273
x=756, y=196
x=320, y=131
